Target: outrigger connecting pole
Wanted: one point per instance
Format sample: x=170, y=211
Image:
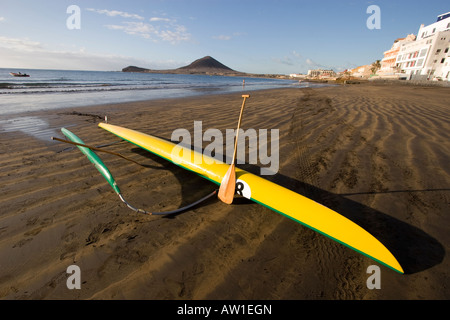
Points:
x=101, y=167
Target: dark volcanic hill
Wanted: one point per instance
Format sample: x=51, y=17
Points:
x=205, y=65
x=133, y=69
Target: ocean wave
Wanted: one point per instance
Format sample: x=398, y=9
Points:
x=45, y=87
x=48, y=89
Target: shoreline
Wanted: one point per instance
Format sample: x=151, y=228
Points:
x=81, y=89
x=156, y=101
x=375, y=154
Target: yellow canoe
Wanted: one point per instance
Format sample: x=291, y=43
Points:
x=279, y=199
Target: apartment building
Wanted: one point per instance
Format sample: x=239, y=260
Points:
x=321, y=73
x=388, y=63
x=428, y=57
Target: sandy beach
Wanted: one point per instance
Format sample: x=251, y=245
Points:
x=377, y=154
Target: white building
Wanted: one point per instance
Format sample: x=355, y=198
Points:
x=388, y=63
x=362, y=72
x=321, y=73
x=428, y=56
x=298, y=75
x=442, y=24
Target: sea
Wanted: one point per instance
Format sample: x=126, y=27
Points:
x=56, y=89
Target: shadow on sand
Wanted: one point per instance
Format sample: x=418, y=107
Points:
x=414, y=249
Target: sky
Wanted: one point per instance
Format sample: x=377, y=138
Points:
x=255, y=36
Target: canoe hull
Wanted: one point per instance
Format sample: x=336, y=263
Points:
x=279, y=199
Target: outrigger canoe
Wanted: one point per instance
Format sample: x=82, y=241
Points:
x=271, y=195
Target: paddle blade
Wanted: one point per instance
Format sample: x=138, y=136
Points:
x=228, y=186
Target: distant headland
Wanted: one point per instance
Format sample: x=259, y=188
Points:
x=206, y=66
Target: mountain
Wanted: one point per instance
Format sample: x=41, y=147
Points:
x=133, y=69
x=205, y=65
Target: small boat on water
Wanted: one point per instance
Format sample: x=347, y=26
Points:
x=19, y=74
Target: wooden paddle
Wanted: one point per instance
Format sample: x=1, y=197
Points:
x=228, y=184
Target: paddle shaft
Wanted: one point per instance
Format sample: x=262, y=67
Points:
x=238, y=127
x=228, y=185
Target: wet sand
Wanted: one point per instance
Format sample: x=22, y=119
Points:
x=377, y=154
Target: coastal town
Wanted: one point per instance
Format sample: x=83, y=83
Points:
x=421, y=57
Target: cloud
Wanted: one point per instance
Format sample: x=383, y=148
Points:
x=286, y=60
x=296, y=54
x=292, y=59
x=222, y=37
x=20, y=44
x=169, y=31
x=2, y=19
x=310, y=62
x=296, y=62
x=313, y=64
x=178, y=34
x=115, y=13
x=172, y=33
x=157, y=19
x=142, y=29
x=25, y=53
